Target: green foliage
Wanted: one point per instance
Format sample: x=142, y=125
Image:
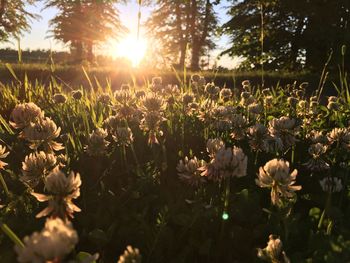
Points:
x=296, y=34
x=14, y=18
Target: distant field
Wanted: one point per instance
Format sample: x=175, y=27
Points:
x=74, y=76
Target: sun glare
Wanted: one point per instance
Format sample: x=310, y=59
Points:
x=132, y=49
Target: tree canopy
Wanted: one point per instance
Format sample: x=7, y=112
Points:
x=296, y=34
x=14, y=18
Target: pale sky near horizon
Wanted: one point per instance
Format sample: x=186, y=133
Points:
x=38, y=36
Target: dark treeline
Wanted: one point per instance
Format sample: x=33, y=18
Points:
x=278, y=34
x=44, y=56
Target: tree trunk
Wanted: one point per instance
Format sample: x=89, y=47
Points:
x=295, y=44
x=195, y=40
x=90, y=53
x=182, y=41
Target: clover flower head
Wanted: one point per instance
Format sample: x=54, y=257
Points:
x=153, y=103
x=273, y=251
x=131, y=255
x=43, y=132
x=188, y=171
x=213, y=145
x=225, y=93
x=56, y=240
x=62, y=190
x=3, y=155
x=275, y=175
x=331, y=184
x=227, y=162
x=258, y=137
x=104, y=98
x=23, y=114
x=59, y=98
x=341, y=136
x=212, y=90
x=97, y=145
x=123, y=136
x=77, y=94
x=36, y=166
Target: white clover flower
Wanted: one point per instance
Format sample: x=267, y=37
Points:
x=239, y=123
x=227, y=162
x=123, y=136
x=286, y=129
x=151, y=124
x=97, y=145
x=152, y=103
x=225, y=94
x=246, y=84
x=259, y=137
x=77, y=94
x=333, y=106
x=123, y=96
x=187, y=98
x=59, y=98
x=104, y=98
x=23, y=114
x=43, y=132
x=340, y=136
x=36, y=166
x=188, y=171
x=331, y=184
x=62, y=191
x=212, y=90
x=131, y=255
x=273, y=251
x=255, y=108
x=213, y=145
x=56, y=240
x=3, y=155
x=317, y=137
x=275, y=175
x=317, y=163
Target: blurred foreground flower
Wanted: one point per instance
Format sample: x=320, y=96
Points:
x=273, y=251
x=62, y=191
x=275, y=175
x=52, y=244
x=131, y=255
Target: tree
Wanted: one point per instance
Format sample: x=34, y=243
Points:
x=85, y=23
x=14, y=18
x=181, y=26
x=295, y=33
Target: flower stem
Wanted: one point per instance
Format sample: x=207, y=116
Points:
x=15, y=239
x=4, y=185
x=324, y=213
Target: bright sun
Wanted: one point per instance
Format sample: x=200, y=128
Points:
x=131, y=48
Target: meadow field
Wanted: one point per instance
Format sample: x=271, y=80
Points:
x=193, y=172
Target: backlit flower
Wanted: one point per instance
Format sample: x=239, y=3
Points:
x=23, y=114
x=36, y=166
x=275, y=175
x=62, y=190
x=188, y=171
x=56, y=240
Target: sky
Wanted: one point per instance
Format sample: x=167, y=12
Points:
x=38, y=36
